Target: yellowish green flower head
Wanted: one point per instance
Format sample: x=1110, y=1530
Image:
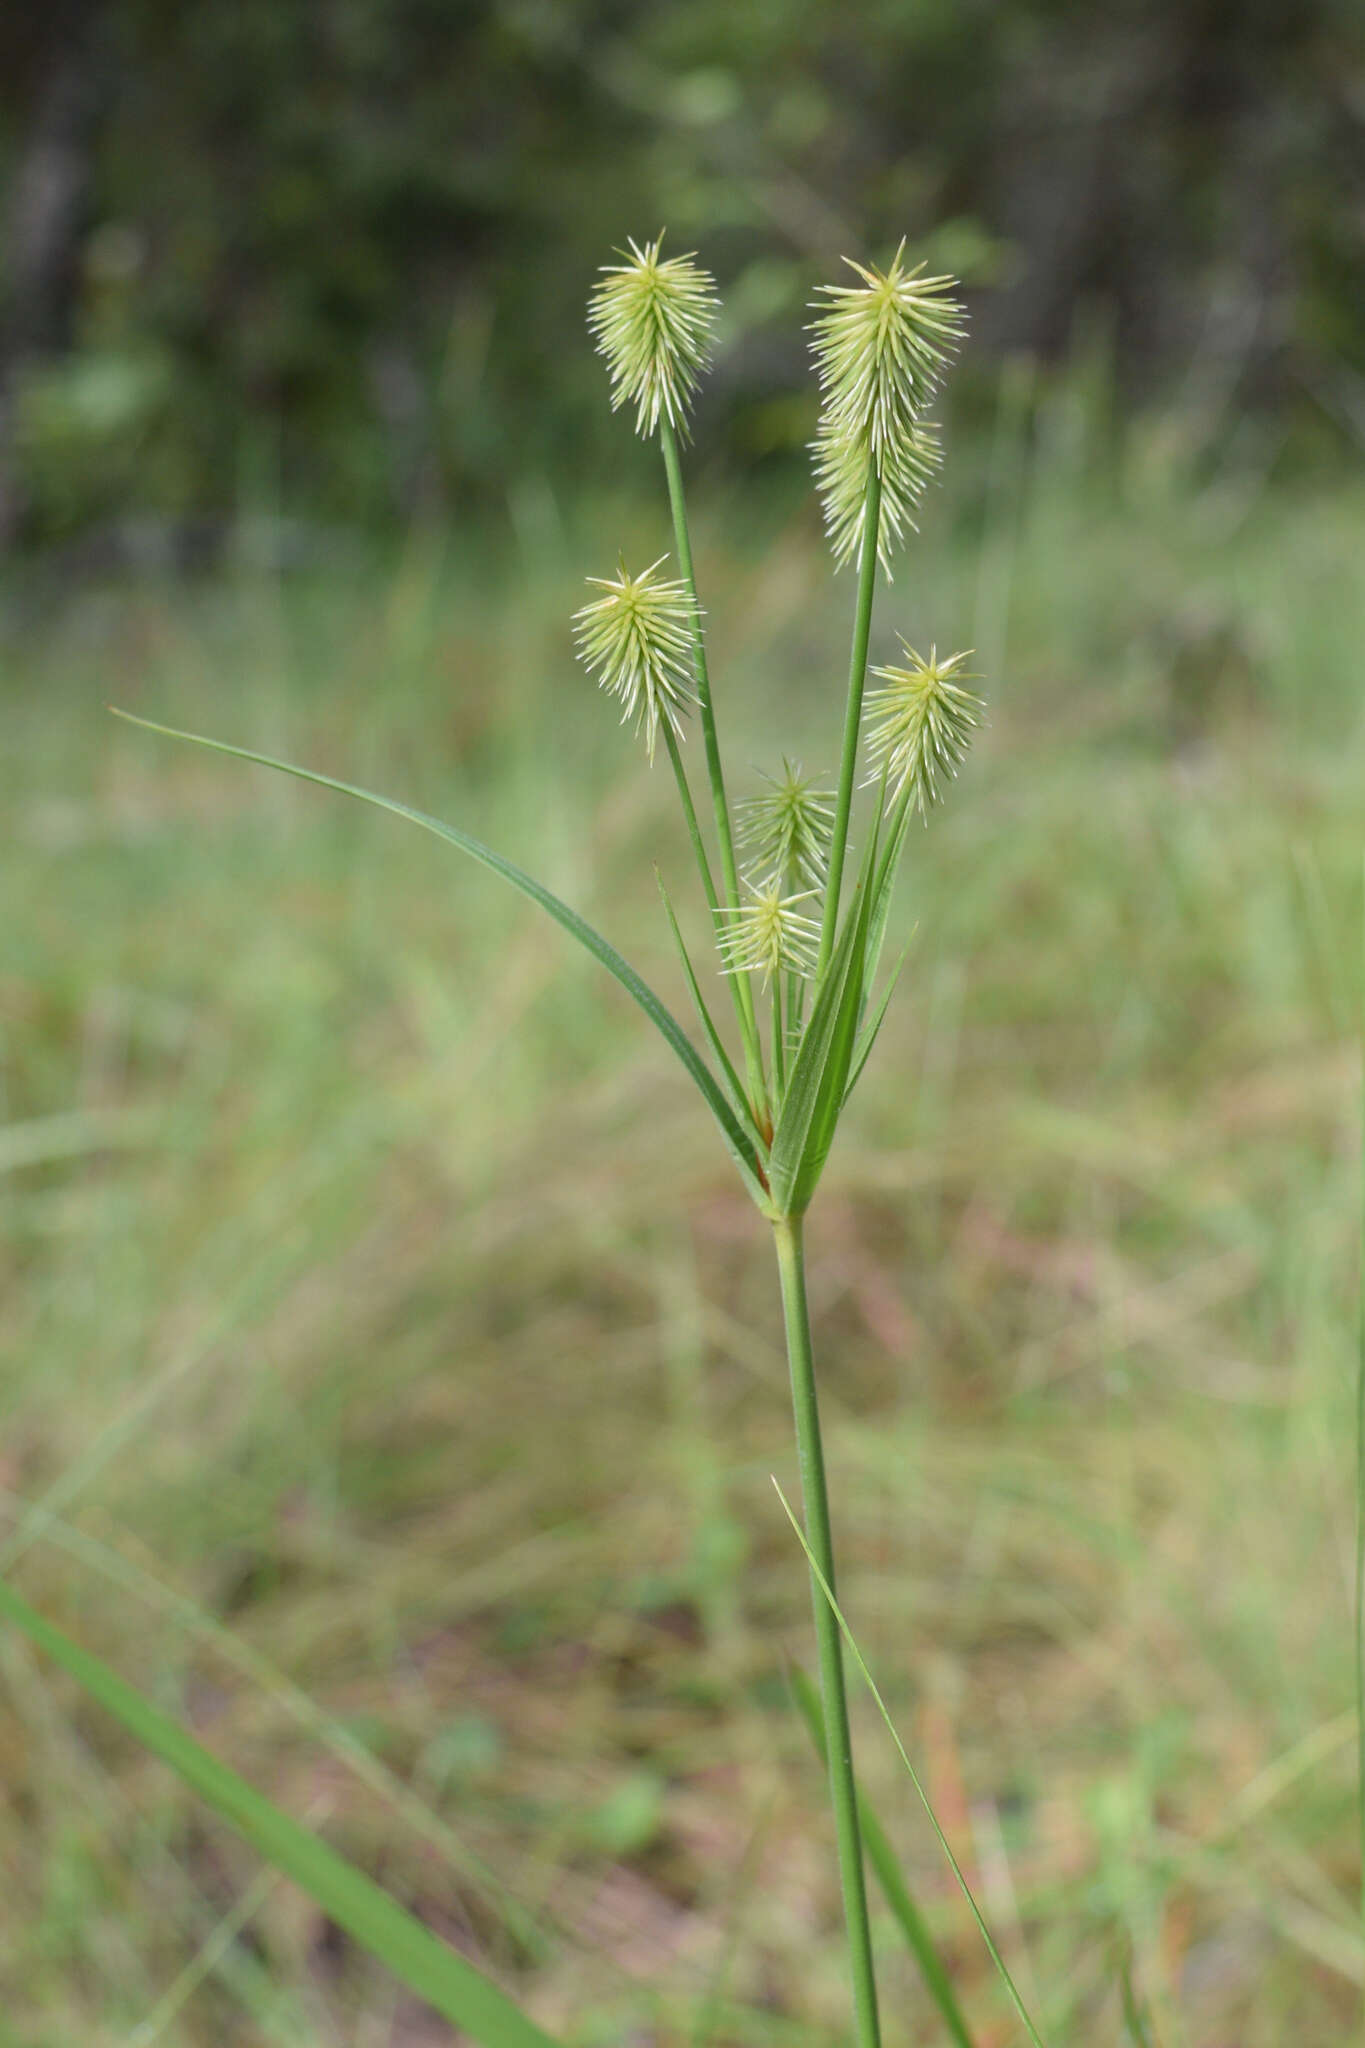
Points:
x=637, y=640
x=881, y=348
x=651, y=319
x=768, y=935
x=786, y=831
x=920, y=723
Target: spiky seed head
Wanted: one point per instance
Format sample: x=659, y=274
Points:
x=881, y=348
x=652, y=319
x=920, y=723
x=768, y=935
x=787, y=831
x=841, y=480
x=637, y=641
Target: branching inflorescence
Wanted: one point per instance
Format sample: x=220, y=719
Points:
x=881, y=348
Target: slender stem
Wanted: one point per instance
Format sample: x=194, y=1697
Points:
x=796, y=1008
x=853, y=715
x=744, y=995
x=689, y=812
x=791, y=1264
x=779, y=1047
x=1360, y=1479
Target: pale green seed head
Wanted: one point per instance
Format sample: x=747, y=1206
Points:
x=909, y=465
x=920, y=723
x=787, y=830
x=652, y=320
x=768, y=935
x=637, y=641
x=881, y=348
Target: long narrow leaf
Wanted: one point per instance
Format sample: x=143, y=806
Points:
x=882, y=1857
x=411, y=1951
x=867, y=1037
x=887, y=870
x=577, y=927
x=819, y=1075
x=792, y=1143
x=1360, y=1461
x=1134, y=2019
x=729, y=1077
x=870, y=1682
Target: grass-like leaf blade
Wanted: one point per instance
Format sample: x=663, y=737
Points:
x=872, y=1024
x=1360, y=1458
x=1134, y=2019
x=577, y=927
x=882, y=1857
x=729, y=1076
x=1002, y=1968
x=888, y=867
x=819, y=1075
x=456, y=1990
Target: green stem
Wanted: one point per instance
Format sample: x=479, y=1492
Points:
x=779, y=1042
x=743, y=992
x=791, y=1264
x=1360, y=1479
x=853, y=715
x=689, y=812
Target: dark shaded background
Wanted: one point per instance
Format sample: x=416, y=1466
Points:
x=331, y=255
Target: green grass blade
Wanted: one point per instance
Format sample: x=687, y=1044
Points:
x=870, y=1682
x=411, y=1951
x=887, y=870
x=577, y=927
x=867, y=1037
x=882, y=1857
x=729, y=1077
x=802, y=1138
x=1360, y=1465
x=819, y=1075
x=1134, y=2020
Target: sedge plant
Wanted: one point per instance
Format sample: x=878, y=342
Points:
x=797, y=911
x=789, y=935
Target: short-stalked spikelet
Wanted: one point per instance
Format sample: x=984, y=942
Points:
x=637, y=641
x=920, y=723
x=881, y=348
x=787, y=830
x=652, y=320
x=768, y=935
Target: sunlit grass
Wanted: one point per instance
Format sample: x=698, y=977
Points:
x=322, y=1309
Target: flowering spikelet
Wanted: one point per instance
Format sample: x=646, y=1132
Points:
x=766, y=935
x=637, y=641
x=920, y=723
x=881, y=348
x=652, y=321
x=788, y=829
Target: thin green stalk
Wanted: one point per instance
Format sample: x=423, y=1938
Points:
x=791, y=1263
x=1360, y=1466
x=779, y=1044
x=853, y=715
x=744, y=995
x=689, y=813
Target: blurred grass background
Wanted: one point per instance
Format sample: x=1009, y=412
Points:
x=391, y=1374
